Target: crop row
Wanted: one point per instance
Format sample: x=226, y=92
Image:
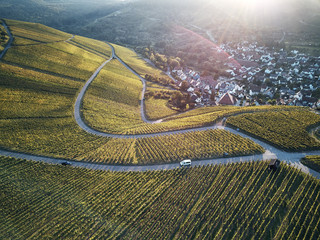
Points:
x=286, y=129
x=35, y=32
x=36, y=117
x=312, y=161
x=138, y=64
x=157, y=108
x=194, y=145
x=234, y=201
x=111, y=103
x=172, y=148
x=92, y=44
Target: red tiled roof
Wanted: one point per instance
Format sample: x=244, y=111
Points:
x=227, y=99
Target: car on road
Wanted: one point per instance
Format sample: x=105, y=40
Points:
x=186, y=162
x=66, y=163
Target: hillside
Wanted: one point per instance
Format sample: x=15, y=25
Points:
x=40, y=80
x=237, y=200
x=43, y=72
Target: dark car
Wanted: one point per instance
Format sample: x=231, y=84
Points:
x=66, y=163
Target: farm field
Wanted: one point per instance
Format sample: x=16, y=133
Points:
x=223, y=201
x=172, y=148
x=157, y=108
x=37, y=103
x=312, y=162
x=111, y=103
x=33, y=33
x=138, y=64
x=95, y=46
x=37, y=111
x=285, y=129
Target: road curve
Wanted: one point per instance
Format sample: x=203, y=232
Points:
x=271, y=152
x=10, y=39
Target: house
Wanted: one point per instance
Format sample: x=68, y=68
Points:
x=254, y=89
x=227, y=99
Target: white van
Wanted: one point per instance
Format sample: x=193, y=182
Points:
x=186, y=162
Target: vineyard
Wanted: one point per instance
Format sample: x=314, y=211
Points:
x=235, y=201
x=111, y=103
x=92, y=45
x=172, y=148
x=158, y=109
x=33, y=33
x=141, y=66
x=37, y=113
x=285, y=129
x=312, y=162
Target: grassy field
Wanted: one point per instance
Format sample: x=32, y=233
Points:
x=312, y=162
x=240, y=201
x=285, y=129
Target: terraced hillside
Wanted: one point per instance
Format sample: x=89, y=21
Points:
x=39, y=85
x=285, y=129
x=240, y=201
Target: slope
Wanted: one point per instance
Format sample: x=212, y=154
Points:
x=238, y=200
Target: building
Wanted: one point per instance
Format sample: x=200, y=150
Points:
x=227, y=99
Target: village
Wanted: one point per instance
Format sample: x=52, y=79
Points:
x=256, y=75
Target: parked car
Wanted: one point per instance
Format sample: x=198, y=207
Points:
x=66, y=163
x=186, y=162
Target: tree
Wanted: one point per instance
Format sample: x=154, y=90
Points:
x=198, y=93
x=173, y=63
x=184, y=86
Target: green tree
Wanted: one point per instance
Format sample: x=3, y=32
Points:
x=184, y=86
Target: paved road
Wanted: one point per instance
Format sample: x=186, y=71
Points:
x=271, y=152
x=9, y=42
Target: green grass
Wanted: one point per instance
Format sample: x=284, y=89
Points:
x=285, y=129
x=312, y=162
x=244, y=201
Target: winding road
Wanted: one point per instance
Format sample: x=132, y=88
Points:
x=10, y=39
x=271, y=152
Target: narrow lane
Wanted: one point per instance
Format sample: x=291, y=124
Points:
x=9, y=42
